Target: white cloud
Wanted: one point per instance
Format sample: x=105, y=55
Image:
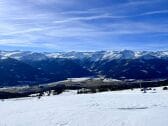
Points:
x=155, y=12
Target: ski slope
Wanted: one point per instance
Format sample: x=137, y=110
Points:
x=119, y=108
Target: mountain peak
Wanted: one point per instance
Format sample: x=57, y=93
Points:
x=95, y=56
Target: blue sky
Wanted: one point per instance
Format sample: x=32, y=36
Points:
x=83, y=25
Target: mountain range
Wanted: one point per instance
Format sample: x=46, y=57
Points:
x=29, y=68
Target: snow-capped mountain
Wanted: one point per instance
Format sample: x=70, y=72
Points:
x=23, y=55
x=49, y=67
x=94, y=56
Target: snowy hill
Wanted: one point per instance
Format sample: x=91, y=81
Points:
x=119, y=108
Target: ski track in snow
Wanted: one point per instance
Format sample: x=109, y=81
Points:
x=119, y=108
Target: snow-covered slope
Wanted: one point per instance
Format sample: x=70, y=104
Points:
x=120, y=108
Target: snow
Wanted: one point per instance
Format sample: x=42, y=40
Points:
x=3, y=58
x=111, y=55
x=119, y=108
x=110, y=80
x=54, y=55
x=79, y=79
x=11, y=54
x=93, y=56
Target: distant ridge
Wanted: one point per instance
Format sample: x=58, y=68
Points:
x=97, y=55
x=26, y=67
